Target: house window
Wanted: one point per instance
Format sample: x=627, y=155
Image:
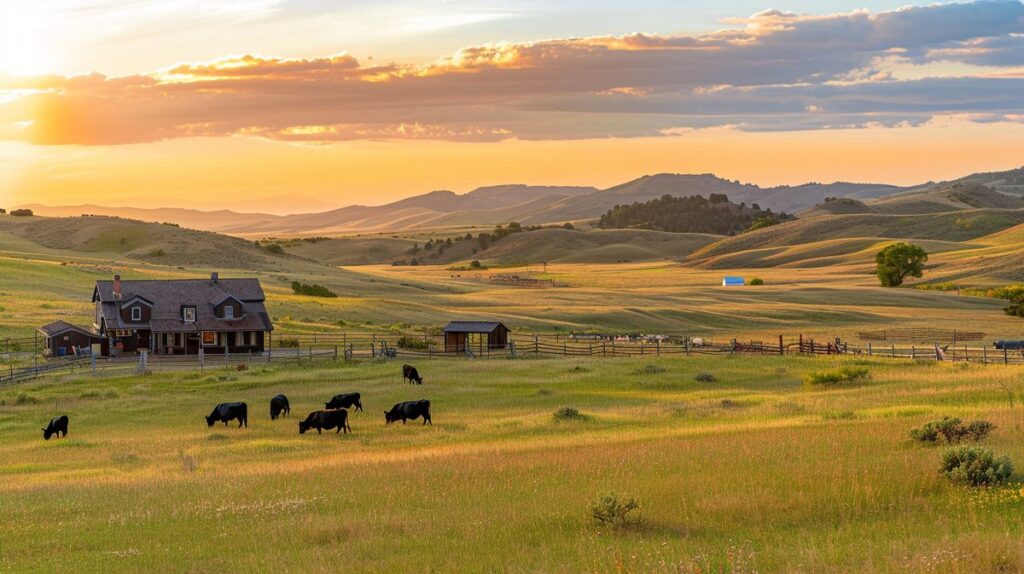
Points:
x=229, y=311
x=188, y=314
x=209, y=338
x=136, y=313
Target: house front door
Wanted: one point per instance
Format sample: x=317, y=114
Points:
x=144, y=337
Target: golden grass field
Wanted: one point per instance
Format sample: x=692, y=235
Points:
x=752, y=472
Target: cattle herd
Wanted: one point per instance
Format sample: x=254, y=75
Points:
x=333, y=416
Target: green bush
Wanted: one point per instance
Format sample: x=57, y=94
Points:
x=704, y=378
x=407, y=342
x=975, y=466
x=312, y=290
x=756, y=281
x=568, y=414
x=610, y=509
x=834, y=377
x=952, y=431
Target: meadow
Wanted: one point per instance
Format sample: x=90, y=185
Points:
x=753, y=471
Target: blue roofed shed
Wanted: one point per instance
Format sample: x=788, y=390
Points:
x=733, y=281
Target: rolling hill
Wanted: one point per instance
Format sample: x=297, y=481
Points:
x=149, y=242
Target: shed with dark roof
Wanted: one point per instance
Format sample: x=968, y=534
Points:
x=62, y=339
x=460, y=336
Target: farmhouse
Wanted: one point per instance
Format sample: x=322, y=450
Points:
x=61, y=339
x=180, y=317
x=462, y=335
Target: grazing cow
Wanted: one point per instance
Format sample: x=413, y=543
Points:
x=344, y=401
x=1009, y=345
x=225, y=412
x=319, y=420
x=409, y=410
x=697, y=342
x=58, y=426
x=410, y=373
x=278, y=406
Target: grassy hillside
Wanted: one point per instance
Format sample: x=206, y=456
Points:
x=151, y=242
x=597, y=246
x=960, y=196
x=803, y=480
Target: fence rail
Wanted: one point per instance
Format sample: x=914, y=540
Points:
x=311, y=348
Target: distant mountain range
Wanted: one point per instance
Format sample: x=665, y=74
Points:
x=532, y=205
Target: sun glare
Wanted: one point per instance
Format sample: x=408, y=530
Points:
x=25, y=40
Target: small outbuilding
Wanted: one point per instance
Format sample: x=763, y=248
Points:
x=475, y=335
x=732, y=281
x=62, y=339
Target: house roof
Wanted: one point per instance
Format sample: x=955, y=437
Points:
x=58, y=327
x=473, y=326
x=169, y=296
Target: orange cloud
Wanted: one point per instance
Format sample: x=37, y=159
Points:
x=765, y=75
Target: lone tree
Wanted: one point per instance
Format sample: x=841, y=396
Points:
x=899, y=260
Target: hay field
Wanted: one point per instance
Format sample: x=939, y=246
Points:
x=752, y=472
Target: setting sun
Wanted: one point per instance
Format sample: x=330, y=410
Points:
x=26, y=39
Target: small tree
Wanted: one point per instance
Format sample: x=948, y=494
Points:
x=474, y=264
x=898, y=261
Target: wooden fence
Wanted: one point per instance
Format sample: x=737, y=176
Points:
x=324, y=348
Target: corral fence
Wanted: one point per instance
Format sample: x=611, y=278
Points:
x=310, y=348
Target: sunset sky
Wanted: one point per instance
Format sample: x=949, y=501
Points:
x=298, y=105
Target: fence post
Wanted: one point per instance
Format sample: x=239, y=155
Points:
x=536, y=345
x=984, y=355
x=657, y=347
x=913, y=352
x=335, y=353
x=686, y=345
x=869, y=348
x=894, y=350
x=782, y=348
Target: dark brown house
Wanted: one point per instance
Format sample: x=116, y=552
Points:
x=182, y=316
x=475, y=335
x=62, y=339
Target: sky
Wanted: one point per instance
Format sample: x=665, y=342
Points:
x=300, y=105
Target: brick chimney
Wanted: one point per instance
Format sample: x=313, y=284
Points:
x=117, y=287
x=214, y=277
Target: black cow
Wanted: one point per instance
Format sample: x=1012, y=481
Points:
x=344, y=401
x=1009, y=345
x=410, y=373
x=409, y=410
x=225, y=412
x=319, y=420
x=278, y=406
x=58, y=426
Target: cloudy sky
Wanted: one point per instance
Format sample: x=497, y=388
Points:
x=289, y=105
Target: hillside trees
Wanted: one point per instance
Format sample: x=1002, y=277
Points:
x=692, y=214
x=899, y=261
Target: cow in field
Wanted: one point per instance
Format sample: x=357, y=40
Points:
x=1009, y=345
x=410, y=374
x=344, y=401
x=278, y=406
x=409, y=410
x=225, y=412
x=58, y=426
x=697, y=342
x=319, y=420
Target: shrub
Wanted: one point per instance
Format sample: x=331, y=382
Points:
x=568, y=414
x=312, y=290
x=834, y=377
x=475, y=264
x=756, y=281
x=288, y=343
x=407, y=342
x=975, y=466
x=274, y=248
x=157, y=253
x=705, y=378
x=610, y=509
x=952, y=431
x=650, y=370
x=22, y=213
x=241, y=367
